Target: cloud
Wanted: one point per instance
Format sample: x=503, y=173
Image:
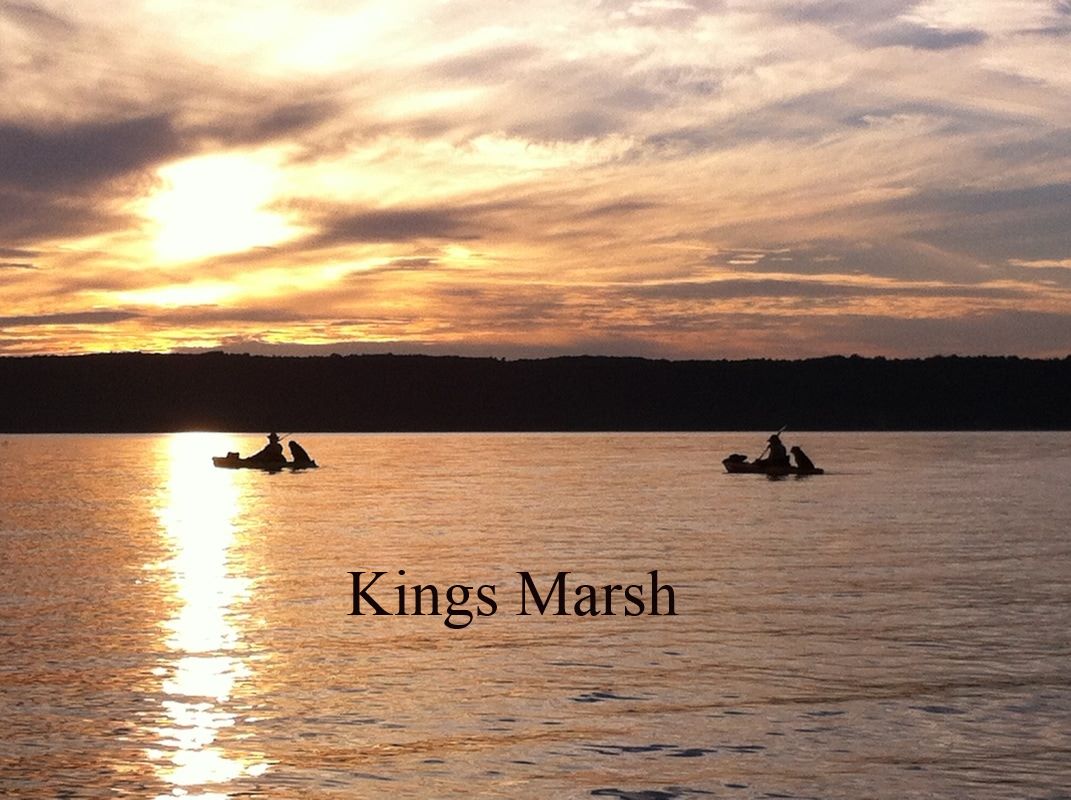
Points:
x=842, y=12
x=36, y=18
x=882, y=23
x=488, y=65
x=67, y=180
x=616, y=345
x=68, y=318
x=201, y=315
x=1064, y=263
x=992, y=333
x=620, y=207
x=659, y=13
x=663, y=175
x=995, y=224
x=264, y=121
x=400, y=264
x=340, y=226
x=34, y=218
x=997, y=332
x=735, y=288
x=392, y=225
x=923, y=37
x=900, y=259
x=80, y=155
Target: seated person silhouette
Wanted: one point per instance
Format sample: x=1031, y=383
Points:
x=272, y=453
x=778, y=455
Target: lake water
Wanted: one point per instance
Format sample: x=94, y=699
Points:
x=897, y=628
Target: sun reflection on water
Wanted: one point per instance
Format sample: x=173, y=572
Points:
x=198, y=513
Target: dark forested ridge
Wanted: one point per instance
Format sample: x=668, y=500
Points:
x=216, y=391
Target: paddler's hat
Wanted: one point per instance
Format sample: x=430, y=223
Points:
x=774, y=438
x=273, y=437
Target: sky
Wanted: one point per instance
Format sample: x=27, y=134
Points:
x=663, y=178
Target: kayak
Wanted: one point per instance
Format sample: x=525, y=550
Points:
x=232, y=461
x=735, y=464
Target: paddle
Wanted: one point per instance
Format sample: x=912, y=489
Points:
x=782, y=430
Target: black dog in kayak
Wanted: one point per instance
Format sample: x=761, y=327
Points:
x=802, y=462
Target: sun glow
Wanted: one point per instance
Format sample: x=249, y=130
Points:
x=216, y=204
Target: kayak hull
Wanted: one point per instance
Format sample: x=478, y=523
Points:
x=232, y=461
x=735, y=466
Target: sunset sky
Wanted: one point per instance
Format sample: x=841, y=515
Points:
x=659, y=178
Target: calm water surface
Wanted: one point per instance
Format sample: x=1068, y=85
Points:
x=898, y=628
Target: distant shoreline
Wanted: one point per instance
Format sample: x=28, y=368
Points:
x=146, y=393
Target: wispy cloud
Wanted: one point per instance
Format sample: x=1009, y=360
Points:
x=69, y=318
x=36, y=18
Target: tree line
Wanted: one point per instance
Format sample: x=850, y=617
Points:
x=132, y=392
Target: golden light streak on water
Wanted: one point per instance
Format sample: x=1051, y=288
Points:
x=197, y=516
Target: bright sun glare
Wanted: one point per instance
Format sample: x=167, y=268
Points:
x=198, y=523
x=215, y=204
